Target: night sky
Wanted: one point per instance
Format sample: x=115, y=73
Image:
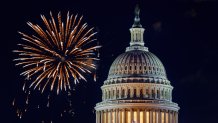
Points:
x=182, y=33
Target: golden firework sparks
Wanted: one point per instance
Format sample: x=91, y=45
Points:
x=57, y=52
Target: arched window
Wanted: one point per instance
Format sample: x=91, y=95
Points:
x=147, y=93
x=125, y=67
x=166, y=94
x=109, y=94
x=141, y=93
x=123, y=93
x=134, y=93
x=162, y=93
x=105, y=94
x=128, y=94
x=158, y=94
x=118, y=93
x=153, y=93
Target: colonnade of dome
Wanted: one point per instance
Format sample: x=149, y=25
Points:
x=137, y=91
x=131, y=115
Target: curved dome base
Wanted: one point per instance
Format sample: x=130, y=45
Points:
x=152, y=104
x=136, y=113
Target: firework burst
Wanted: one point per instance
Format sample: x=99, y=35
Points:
x=57, y=53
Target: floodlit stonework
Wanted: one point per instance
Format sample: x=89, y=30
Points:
x=137, y=89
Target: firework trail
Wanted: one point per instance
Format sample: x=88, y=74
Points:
x=57, y=52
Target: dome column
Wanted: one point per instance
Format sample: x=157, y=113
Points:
x=97, y=117
x=174, y=117
x=165, y=117
x=119, y=116
x=145, y=116
x=106, y=116
x=154, y=116
x=159, y=117
x=111, y=114
x=177, y=117
x=151, y=116
x=116, y=116
x=138, y=116
x=124, y=116
x=171, y=117
x=131, y=115
x=102, y=116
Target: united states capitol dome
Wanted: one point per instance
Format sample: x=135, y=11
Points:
x=137, y=89
x=137, y=64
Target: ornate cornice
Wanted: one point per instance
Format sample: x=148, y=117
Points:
x=139, y=104
x=136, y=85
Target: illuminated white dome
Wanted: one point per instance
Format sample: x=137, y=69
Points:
x=137, y=63
x=137, y=89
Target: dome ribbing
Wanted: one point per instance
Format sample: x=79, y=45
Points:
x=137, y=64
